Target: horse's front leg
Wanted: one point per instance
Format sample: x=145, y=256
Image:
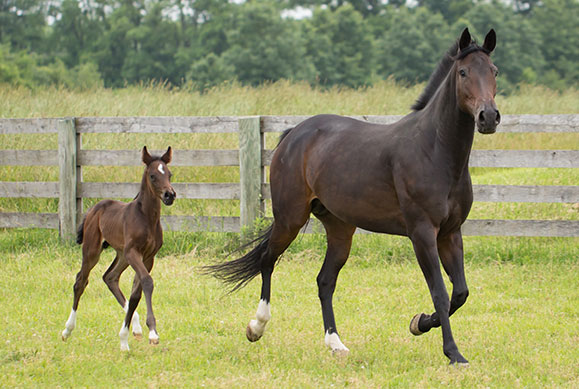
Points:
x=451, y=255
x=423, y=238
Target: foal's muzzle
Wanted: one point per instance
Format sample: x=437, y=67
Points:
x=169, y=197
x=487, y=120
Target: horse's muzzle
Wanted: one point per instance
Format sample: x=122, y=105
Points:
x=169, y=197
x=487, y=120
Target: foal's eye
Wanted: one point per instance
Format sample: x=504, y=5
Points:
x=496, y=73
x=462, y=72
x=152, y=177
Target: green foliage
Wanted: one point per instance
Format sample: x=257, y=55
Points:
x=345, y=43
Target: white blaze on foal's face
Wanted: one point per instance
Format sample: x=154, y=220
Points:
x=160, y=169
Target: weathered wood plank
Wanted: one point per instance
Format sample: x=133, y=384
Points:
x=506, y=193
x=526, y=193
x=509, y=123
x=128, y=190
x=158, y=124
x=67, y=179
x=250, y=169
x=29, y=157
x=29, y=126
x=539, y=123
x=29, y=220
x=525, y=158
x=180, y=157
x=29, y=189
x=539, y=228
x=200, y=223
x=506, y=158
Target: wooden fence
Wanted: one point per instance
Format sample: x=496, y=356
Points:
x=252, y=158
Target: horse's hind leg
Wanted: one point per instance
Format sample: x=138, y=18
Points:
x=339, y=236
x=143, y=284
x=111, y=278
x=451, y=255
x=90, y=256
x=278, y=241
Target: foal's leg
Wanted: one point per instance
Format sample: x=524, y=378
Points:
x=145, y=284
x=111, y=278
x=90, y=256
x=339, y=236
x=423, y=236
x=451, y=255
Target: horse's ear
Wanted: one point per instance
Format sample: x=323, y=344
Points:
x=146, y=157
x=465, y=40
x=167, y=156
x=490, y=41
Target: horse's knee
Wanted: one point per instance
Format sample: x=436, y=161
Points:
x=147, y=283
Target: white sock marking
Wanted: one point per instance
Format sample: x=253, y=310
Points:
x=334, y=343
x=262, y=316
x=124, y=335
x=70, y=324
x=137, y=329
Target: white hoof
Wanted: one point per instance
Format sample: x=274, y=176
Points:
x=153, y=337
x=254, y=330
x=335, y=344
x=65, y=334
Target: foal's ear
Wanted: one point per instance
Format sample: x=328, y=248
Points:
x=490, y=41
x=167, y=156
x=146, y=157
x=465, y=40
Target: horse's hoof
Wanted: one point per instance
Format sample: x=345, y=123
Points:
x=154, y=342
x=125, y=347
x=138, y=336
x=460, y=365
x=251, y=336
x=414, y=325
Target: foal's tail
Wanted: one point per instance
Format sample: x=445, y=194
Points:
x=80, y=232
x=242, y=270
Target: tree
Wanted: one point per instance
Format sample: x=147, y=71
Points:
x=265, y=47
x=340, y=46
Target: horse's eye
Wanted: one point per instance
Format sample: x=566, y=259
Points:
x=152, y=176
x=496, y=73
x=462, y=73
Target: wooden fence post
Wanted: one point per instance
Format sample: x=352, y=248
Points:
x=67, y=179
x=250, y=170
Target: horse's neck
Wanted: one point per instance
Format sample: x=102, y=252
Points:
x=454, y=129
x=150, y=204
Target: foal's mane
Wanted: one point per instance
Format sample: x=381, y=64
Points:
x=444, y=66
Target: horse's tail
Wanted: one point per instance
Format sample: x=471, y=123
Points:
x=80, y=232
x=239, y=272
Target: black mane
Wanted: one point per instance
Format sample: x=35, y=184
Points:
x=444, y=66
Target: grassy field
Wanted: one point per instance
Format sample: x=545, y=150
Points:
x=518, y=328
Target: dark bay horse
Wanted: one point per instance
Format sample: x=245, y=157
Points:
x=134, y=231
x=410, y=178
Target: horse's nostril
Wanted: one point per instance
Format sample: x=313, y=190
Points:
x=498, y=117
x=481, y=117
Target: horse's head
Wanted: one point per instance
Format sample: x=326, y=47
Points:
x=476, y=84
x=158, y=175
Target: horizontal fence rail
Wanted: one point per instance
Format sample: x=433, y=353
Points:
x=252, y=158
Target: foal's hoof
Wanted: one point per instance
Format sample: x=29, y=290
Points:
x=460, y=364
x=414, y=324
x=138, y=335
x=154, y=342
x=251, y=336
x=341, y=353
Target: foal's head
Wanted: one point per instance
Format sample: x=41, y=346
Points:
x=476, y=84
x=158, y=176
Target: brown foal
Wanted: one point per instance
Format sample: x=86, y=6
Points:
x=134, y=231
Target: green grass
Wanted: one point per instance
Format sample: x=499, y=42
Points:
x=517, y=329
